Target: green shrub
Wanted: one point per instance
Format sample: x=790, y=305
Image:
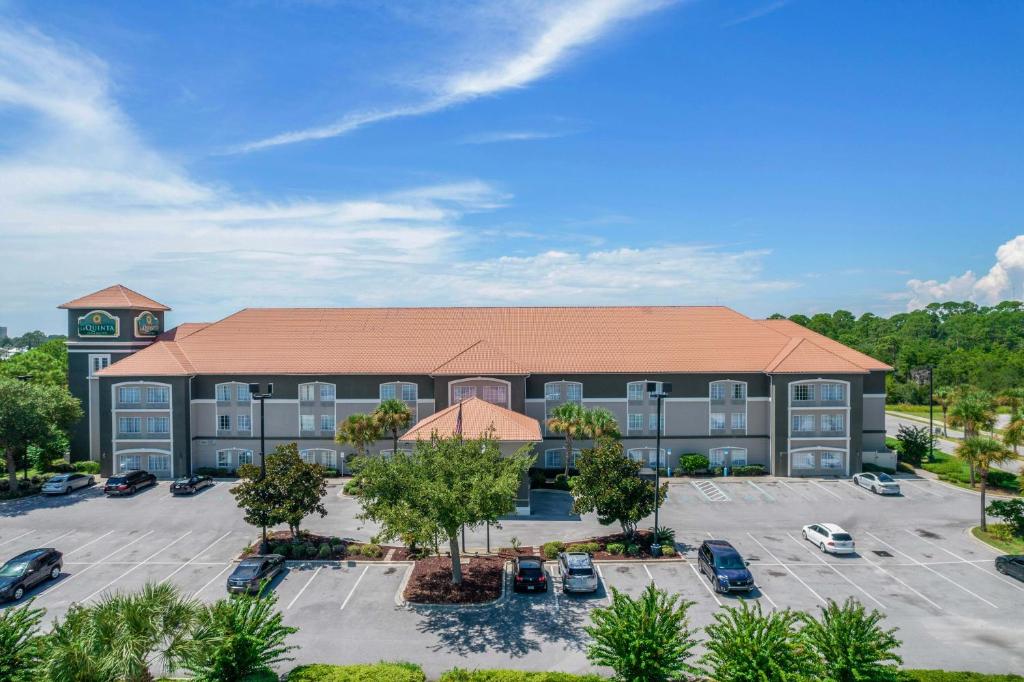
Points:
x=352, y=486
x=668, y=550
x=88, y=467
x=632, y=550
x=330, y=473
x=717, y=471
x=615, y=548
x=371, y=550
x=215, y=471
x=562, y=482
x=693, y=463
x=457, y=675
x=59, y=466
x=280, y=548
x=309, y=550
x=665, y=536
x=324, y=552
x=377, y=672
x=550, y=550
x=588, y=547
x=748, y=470
x=1010, y=511
x=956, y=676
x=537, y=478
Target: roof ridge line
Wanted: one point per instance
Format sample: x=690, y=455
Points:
x=786, y=351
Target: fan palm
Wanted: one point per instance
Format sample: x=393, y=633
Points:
x=1014, y=399
x=981, y=453
x=972, y=411
x=393, y=415
x=358, y=430
x=601, y=423
x=21, y=643
x=944, y=397
x=1013, y=436
x=569, y=419
x=851, y=644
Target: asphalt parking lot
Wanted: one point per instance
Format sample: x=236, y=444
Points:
x=915, y=562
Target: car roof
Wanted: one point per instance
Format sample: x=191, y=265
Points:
x=720, y=546
x=832, y=527
x=257, y=560
x=577, y=559
x=32, y=554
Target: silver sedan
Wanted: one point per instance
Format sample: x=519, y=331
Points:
x=881, y=484
x=62, y=484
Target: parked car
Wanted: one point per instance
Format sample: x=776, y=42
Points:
x=250, y=574
x=62, y=484
x=127, y=483
x=28, y=569
x=190, y=485
x=1011, y=565
x=828, y=537
x=578, y=574
x=530, y=575
x=881, y=484
x=724, y=567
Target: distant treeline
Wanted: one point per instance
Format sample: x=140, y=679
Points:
x=964, y=342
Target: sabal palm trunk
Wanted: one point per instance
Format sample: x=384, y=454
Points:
x=984, y=482
x=394, y=435
x=568, y=452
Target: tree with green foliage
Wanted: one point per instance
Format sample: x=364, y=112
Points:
x=569, y=419
x=981, y=453
x=746, y=645
x=915, y=443
x=944, y=398
x=360, y=431
x=851, y=645
x=646, y=639
x=443, y=485
x=28, y=415
x=239, y=638
x=292, y=490
x=46, y=364
x=392, y=415
x=122, y=636
x=609, y=484
x=257, y=497
x=21, y=643
x=600, y=423
x=972, y=411
x=1013, y=435
x=1011, y=512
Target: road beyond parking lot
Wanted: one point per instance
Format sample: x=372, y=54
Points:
x=915, y=562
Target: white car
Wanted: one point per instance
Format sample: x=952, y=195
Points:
x=882, y=484
x=62, y=484
x=829, y=537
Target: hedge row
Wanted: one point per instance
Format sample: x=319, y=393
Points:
x=954, y=676
x=377, y=672
x=514, y=676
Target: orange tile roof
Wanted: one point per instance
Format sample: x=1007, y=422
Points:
x=182, y=330
x=117, y=296
x=854, y=356
x=478, y=418
x=425, y=341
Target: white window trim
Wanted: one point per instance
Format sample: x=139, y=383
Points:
x=234, y=411
x=711, y=416
x=725, y=450
x=92, y=357
x=648, y=454
x=115, y=413
x=414, y=407
x=508, y=388
x=790, y=407
x=646, y=420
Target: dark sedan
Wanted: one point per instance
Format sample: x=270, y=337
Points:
x=1011, y=565
x=530, y=575
x=28, y=569
x=253, y=573
x=191, y=485
x=129, y=482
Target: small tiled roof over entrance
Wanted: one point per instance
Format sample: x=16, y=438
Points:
x=117, y=296
x=479, y=417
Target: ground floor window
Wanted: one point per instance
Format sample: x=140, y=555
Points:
x=321, y=456
x=129, y=462
x=734, y=457
x=223, y=459
x=803, y=460
x=245, y=457
x=646, y=456
x=831, y=460
x=555, y=458
x=160, y=463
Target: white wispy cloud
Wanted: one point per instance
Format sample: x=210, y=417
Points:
x=1004, y=280
x=757, y=13
x=497, y=136
x=547, y=34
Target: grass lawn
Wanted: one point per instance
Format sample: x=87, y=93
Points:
x=998, y=536
x=952, y=470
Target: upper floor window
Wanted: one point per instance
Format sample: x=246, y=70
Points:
x=224, y=392
x=832, y=392
x=223, y=422
x=803, y=392
x=307, y=392
x=636, y=421
x=387, y=391
x=327, y=422
x=574, y=391
x=98, y=362
x=803, y=423
x=158, y=424
x=832, y=422
x=326, y=393
x=129, y=395
x=739, y=420
x=244, y=422
x=635, y=390
x=652, y=422
x=409, y=392
x=306, y=422
x=739, y=391
x=552, y=391
x=129, y=425
x=496, y=395
x=460, y=393
x=717, y=391
x=242, y=394
x=156, y=395
x=717, y=421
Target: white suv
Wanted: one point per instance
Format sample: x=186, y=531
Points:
x=829, y=537
x=578, y=573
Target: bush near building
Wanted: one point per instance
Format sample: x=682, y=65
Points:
x=375, y=672
x=458, y=675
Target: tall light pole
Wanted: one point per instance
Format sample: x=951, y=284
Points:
x=658, y=390
x=918, y=375
x=257, y=394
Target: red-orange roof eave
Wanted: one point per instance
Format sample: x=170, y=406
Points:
x=115, y=296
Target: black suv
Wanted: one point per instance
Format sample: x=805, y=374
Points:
x=128, y=483
x=1011, y=565
x=724, y=567
x=529, y=575
x=28, y=569
x=251, y=574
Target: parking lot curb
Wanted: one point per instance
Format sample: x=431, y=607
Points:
x=970, y=533
x=505, y=595
x=630, y=560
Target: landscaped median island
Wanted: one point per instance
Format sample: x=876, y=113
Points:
x=431, y=581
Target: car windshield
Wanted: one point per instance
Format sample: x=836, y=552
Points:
x=59, y=479
x=13, y=569
x=581, y=571
x=246, y=571
x=115, y=480
x=728, y=561
x=183, y=480
x=842, y=537
x=885, y=478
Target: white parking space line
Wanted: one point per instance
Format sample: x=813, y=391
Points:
x=76, y=549
x=918, y=486
x=138, y=565
x=765, y=595
x=53, y=540
x=835, y=570
x=795, y=490
x=211, y=581
x=607, y=589
x=711, y=491
x=929, y=568
x=206, y=549
x=116, y=551
x=16, y=537
x=761, y=490
x=700, y=579
x=311, y=578
x=791, y=572
x=814, y=483
x=650, y=576
x=966, y=561
x=353, y=590
x=879, y=568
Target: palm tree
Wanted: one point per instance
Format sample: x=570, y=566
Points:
x=972, y=411
x=1014, y=434
x=852, y=645
x=569, y=419
x=358, y=430
x=1012, y=398
x=981, y=453
x=601, y=423
x=393, y=415
x=944, y=397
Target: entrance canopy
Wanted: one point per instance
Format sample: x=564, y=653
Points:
x=476, y=418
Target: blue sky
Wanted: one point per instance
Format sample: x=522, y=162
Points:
x=772, y=156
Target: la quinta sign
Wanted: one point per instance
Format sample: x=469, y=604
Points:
x=98, y=323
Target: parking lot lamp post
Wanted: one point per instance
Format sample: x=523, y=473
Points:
x=257, y=394
x=658, y=390
x=24, y=378
x=918, y=375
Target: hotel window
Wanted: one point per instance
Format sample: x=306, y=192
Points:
x=553, y=459
x=223, y=459
x=574, y=392
x=326, y=393
x=552, y=391
x=327, y=422
x=129, y=425
x=307, y=392
x=831, y=460
x=409, y=392
x=244, y=457
x=739, y=420
x=739, y=391
x=387, y=391
x=717, y=422
x=129, y=395
x=160, y=463
x=157, y=395
x=130, y=462
x=98, y=362
x=832, y=392
x=803, y=423
x=496, y=395
x=636, y=422
x=803, y=392
x=244, y=422
x=718, y=391
x=157, y=425
x=652, y=422
x=242, y=394
x=716, y=457
x=460, y=393
x=738, y=457
x=635, y=390
x=223, y=422
x=803, y=460
x=224, y=392
x=832, y=422
x=306, y=422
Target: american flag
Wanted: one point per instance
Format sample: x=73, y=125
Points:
x=458, y=421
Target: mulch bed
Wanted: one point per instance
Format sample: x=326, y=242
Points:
x=279, y=537
x=431, y=581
